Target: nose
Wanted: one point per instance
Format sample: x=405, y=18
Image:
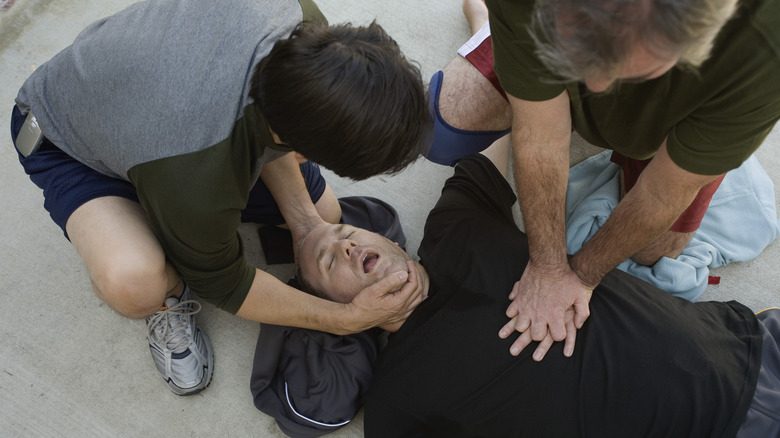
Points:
x=347, y=246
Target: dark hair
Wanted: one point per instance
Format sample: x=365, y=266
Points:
x=346, y=98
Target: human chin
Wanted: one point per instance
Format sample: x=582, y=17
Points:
x=392, y=259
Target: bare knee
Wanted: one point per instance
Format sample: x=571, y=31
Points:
x=670, y=244
x=133, y=288
x=469, y=101
x=125, y=261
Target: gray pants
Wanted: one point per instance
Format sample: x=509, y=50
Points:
x=763, y=417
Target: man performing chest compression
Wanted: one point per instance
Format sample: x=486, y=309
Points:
x=682, y=92
x=169, y=123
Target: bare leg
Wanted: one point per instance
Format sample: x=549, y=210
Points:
x=468, y=100
x=125, y=261
x=476, y=13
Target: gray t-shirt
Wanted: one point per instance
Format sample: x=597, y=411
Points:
x=157, y=95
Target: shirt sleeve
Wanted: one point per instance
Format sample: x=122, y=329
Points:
x=728, y=128
x=194, y=204
x=311, y=12
x=520, y=71
x=735, y=99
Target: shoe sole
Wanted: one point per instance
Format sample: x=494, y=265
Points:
x=209, y=373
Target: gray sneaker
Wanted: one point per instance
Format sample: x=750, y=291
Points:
x=180, y=349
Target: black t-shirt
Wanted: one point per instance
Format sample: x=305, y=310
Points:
x=645, y=363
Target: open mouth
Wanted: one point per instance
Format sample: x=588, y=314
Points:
x=369, y=261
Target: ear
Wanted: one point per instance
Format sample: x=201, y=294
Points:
x=299, y=158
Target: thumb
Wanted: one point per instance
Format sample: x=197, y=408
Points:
x=386, y=285
x=581, y=313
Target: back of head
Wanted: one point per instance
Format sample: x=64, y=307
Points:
x=580, y=39
x=346, y=98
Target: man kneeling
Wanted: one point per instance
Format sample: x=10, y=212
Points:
x=646, y=363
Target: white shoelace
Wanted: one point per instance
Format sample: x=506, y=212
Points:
x=169, y=328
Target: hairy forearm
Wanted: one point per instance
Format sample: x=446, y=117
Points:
x=639, y=219
x=541, y=137
x=541, y=175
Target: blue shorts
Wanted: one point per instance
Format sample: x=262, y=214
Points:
x=451, y=144
x=67, y=183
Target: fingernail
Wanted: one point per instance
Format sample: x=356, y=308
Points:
x=403, y=275
x=567, y=352
x=502, y=334
x=537, y=357
x=514, y=351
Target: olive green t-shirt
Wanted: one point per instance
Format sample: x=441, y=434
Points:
x=713, y=117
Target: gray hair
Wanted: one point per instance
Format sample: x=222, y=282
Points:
x=578, y=39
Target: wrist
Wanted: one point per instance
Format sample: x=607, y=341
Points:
x=301, y=229
x=588, y=276
x=348, y=320
x=551, y=268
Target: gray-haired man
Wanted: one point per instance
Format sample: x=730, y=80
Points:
x=681, y=91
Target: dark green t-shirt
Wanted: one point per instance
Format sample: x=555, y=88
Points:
x=714, y=117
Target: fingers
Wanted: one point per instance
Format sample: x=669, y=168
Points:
x=522, y=320
x=507, y=329
x=538, y=330
x=389, y=284
x=581, y=313
x=520, y=343
x=413, y=286
x=571, y=337
x=515, y=291
x=546, y=341
x=540, y=327
x=411, y=294
x=525, y=340
x=557, y=329
x=544, y=345
x=543, y=348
